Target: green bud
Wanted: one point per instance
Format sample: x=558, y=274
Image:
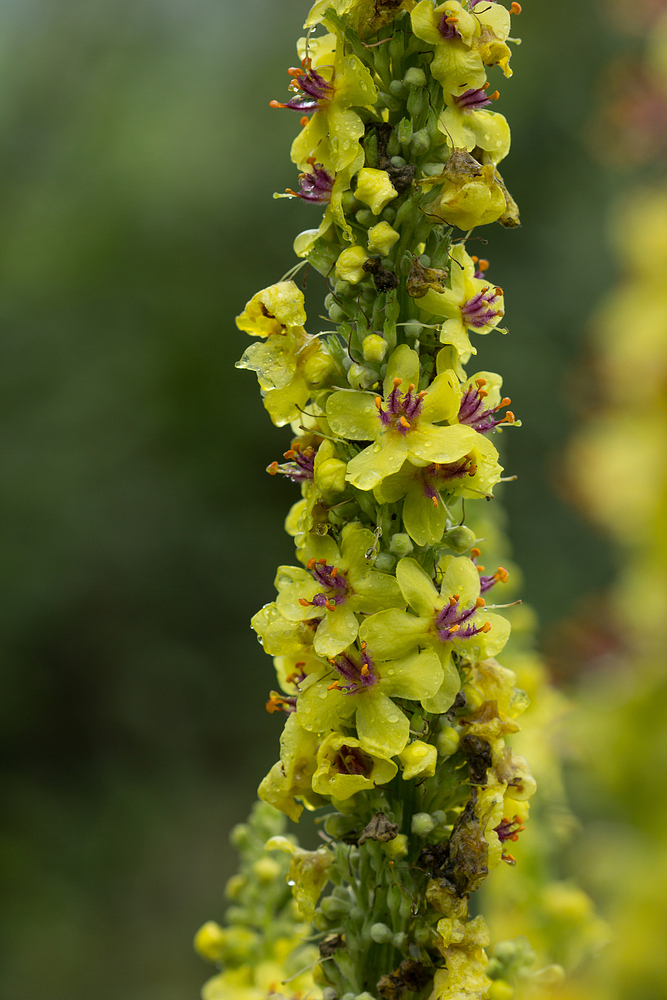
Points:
x=415, y=77
x=398, y=161
x=348, y=202
x=459, y=538
x=401, y=544
x=389, y=214
x=320, y=922
x=440, y=817
x=357, y=914
x=240, y=836
x=413, y=329
x=334, y=908
x=364, y=996
x=422, y=934
x=374, y=348
x=341, y=892
x=347, y=996
x=360, y=377
x=420, y=143
x=318, y=369
x=337, y=825
x=422, y=824
x=342, y=287
x=329, y=993
x=384, y=562
x=425, y=260
x=416, y=102
x=381, y=934
x=399, y=940
x=365, y=217
x=432, y=169
x=396, y=88
x=404, y=131
x=447, y=742
x=336, y=314
x=394, y=145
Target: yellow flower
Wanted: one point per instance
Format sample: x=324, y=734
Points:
x=375, y=189
x=308, y=872
x=403, y=426
x=345, y=767
x=273, y=310
x=418, y=760
x=290, y=778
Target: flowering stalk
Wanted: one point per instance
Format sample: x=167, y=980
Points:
x=385, y=635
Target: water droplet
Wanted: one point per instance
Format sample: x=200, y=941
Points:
x=323, y=694
x=391, y=672
x=392, y=718
x=290, y=881
x=368, y=409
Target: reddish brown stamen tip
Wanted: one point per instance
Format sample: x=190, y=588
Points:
x=330, y=605
x=334, y=573
x=311, y=563
x=295, y=71
x=304, y=603
x=498, y=290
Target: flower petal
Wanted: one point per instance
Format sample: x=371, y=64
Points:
x=394, y=633
x=404, y=364
x=417, y=587
x=442, y=444
x=371, y=465
x=443, y=399
x=353, y=415
x=338, y=630
x=381, y=724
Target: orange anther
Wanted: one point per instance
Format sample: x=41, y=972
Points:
x=498, y=290
x=505, y=401
x=411, y=387
x=404, y=423
x=378, y=402
x=475, y=553
x=276, y=104
x=480, y=602
x=479, y=382
x=452, y=601
x=334, y=572
x=474, y=259
x=330, y=605
x=494, y=96
x=480, y=569
x=452, y=20
x=304, y=603
x=288, y=454
x=509, y=417
x=486, y=627
x=482, y=393
x=501, y=574
x=515, y=8
x=422, y=394
x=304, y=121
x=311, y=562
x=454, y=628
x=483, y=264
x=435, y=501
x=332, y=686
x=295, y=71
x=472, y=470
x=322, y=562
x=272, y=469
x=397, y=382
x=364, y=670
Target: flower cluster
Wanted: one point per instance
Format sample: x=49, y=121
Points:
x=385, y=631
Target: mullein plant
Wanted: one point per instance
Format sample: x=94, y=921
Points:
x=618, y=472
x=386, y=631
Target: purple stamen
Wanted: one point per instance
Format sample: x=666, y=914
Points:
x=473, y=413
x=356, y=677
x=448, y=31
x=473, y=99
x=450, y=620
x=315, y=91
x=315, y=186
x=352, y=760
x=332, y=580
x=300, y=469
x=401, y=409
x=478, y=311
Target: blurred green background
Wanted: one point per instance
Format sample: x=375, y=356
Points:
x=138, y=529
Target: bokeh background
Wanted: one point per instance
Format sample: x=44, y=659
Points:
x=138, y=529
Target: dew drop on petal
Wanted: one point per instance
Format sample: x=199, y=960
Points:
x=392, y=718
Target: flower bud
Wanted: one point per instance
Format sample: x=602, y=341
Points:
x=350, y=264
x=318, y=368
x=447, y=741
x=460, y=538
x=381, y=934
x=474, y=699
x=382, y=238
x=422, y=824
x=404, y=131
x=418, y=759
x=401, y=544
x=374, y=187
x=266, y=870
x=420, y=142
x=384, y=561
x=330, y=475
x=334, y=908
x=374, y=348
x=399, y=940
x=364, y=217
x=210, y=940
x=235, y=885
x=360, y=377
x=413, y=329
x=415, y=77
x=396, y=848
x=500, y=990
